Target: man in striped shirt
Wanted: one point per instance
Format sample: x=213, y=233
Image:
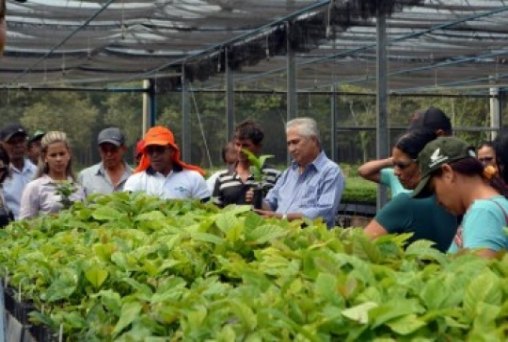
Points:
x=312, y=185
x=232, y=185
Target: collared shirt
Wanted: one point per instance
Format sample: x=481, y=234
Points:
x=40, y=196
x=316, y=192
x=229, y=187
x=14, y=185
x=95, y=179
x=179, y=184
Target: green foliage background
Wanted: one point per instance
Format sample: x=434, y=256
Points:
x=83, y=114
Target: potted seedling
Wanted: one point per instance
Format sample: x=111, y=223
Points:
x=65, y=189
x=256, y=169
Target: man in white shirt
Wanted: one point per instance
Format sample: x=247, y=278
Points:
x=14, y=139
x=161, y=172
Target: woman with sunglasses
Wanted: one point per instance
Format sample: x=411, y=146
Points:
x=463, y=186
x=486, y=154
x=405, y=214
x=5, y=213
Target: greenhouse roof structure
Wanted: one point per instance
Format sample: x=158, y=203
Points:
x=431, y=44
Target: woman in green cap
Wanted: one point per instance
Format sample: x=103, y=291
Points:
x=463, y=186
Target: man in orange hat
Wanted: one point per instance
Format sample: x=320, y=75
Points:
x=162, y=173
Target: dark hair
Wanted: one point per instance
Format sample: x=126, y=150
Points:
x=412, y=142
x=249, y=129
x=501, y=149
x=473, y=167
x=4, y=156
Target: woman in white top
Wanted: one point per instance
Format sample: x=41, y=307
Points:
x=53, y=174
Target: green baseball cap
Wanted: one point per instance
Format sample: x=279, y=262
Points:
x=38, y=134
x=440, y=151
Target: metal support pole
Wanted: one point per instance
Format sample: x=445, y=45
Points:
x=495, y=112
x=153, y=103
x=230, y=99
x=333, y=125
x=382, y=134
x=292, y=101
x=146, y=106
x=186, y=122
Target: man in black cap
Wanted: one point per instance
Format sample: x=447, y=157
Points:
x=111, y=173
x=34, y=146
x=14, y=139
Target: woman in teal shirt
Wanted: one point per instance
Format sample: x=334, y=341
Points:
x=462, y=185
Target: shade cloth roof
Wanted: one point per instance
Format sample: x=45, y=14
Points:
x=431, y=43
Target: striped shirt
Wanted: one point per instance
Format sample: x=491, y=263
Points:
x=230, y=189
x=314, y=193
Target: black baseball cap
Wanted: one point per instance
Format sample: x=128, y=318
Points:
x=433, y=118
x=10, y=130
x=436, y=153
x=111, y=135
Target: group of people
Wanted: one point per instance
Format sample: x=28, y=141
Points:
x=311, y=187
x=443, y=190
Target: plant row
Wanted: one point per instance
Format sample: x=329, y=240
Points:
x=130, y=267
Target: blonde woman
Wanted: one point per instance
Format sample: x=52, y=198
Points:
x=54, y=170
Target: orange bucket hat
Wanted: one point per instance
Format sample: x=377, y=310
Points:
x=162, y=136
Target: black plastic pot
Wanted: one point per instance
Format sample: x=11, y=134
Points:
x=257, y=199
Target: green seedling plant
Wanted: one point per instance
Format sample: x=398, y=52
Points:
x=130, y=267
x=256, y=164
x=65, y=189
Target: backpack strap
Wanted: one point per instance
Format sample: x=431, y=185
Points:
x=503, y=210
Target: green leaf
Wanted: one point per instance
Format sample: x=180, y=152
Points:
x=406, y=325
x=206, y=237
x=63, y=287
x=96, y=275
x=226, y=221
x=130, y=311
x=483, y=288
x=360, y=313
x=434, y=294
x=394, y=308
x=244, y=313
x=141, y=288
x=111, y=300
x=326, y=286
x=423, y=249
x=265, y=233
x=107, y=214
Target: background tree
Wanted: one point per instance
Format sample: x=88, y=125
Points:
x=69, y=112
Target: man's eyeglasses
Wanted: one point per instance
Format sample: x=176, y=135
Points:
x=403, y=165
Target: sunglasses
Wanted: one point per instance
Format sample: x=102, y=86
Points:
x=156, y=149
x=403, y=165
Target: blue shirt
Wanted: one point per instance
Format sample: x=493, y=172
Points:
x=388, y=178
x=15, y=184
x=314, y=193
x=482, y=226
